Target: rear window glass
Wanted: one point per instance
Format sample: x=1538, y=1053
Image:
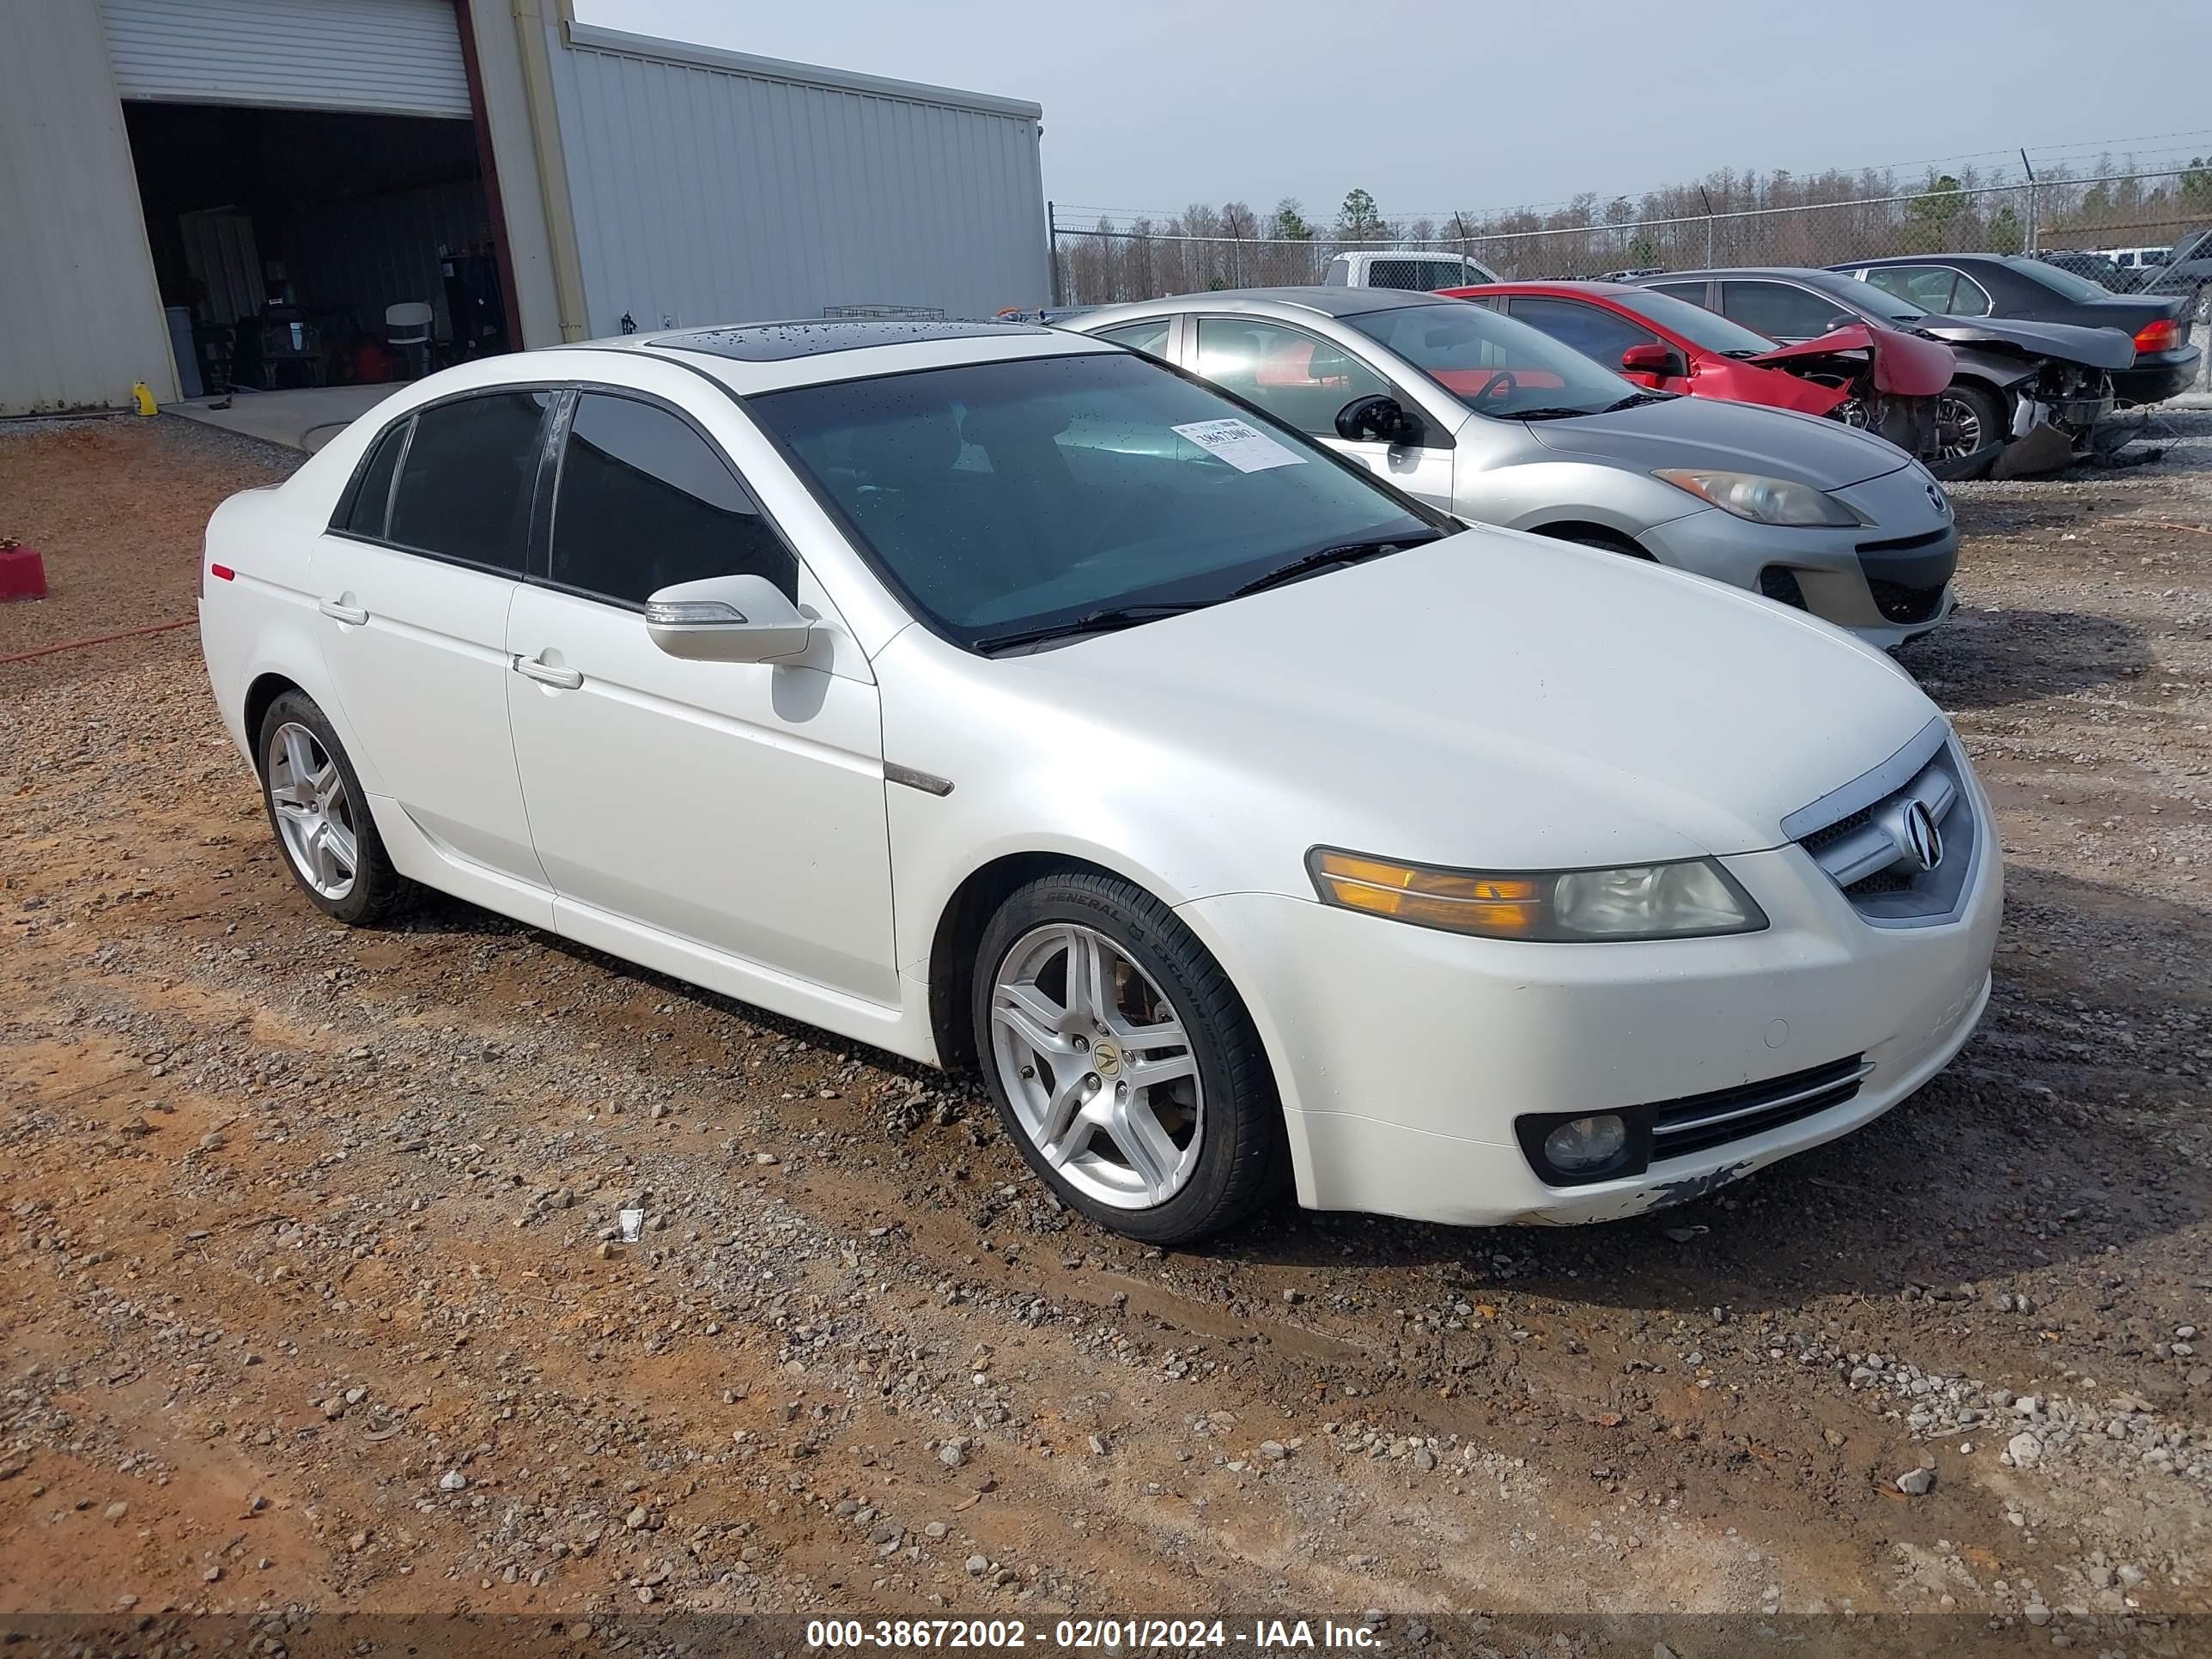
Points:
x=465, y=490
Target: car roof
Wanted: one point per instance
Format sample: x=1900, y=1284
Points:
x=1324, y=302
x=1793, y=273
x=753, y=357
x=1561, y=285
x=1927, y=259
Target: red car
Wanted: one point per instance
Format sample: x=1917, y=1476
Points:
x=1881, y=379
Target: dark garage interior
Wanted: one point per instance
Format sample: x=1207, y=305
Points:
x=282, y=239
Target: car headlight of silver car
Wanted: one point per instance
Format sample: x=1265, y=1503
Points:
x=1690, y=898
x=1762, y=501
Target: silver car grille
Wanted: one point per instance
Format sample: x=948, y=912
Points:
x=1900, y=841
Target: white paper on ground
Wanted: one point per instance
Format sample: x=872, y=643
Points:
x=1244, y=446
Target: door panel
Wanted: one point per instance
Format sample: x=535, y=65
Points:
x=414, y=637
x=737, y=805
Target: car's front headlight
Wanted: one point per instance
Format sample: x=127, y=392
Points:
x=1762, y=501
x=1689, y=899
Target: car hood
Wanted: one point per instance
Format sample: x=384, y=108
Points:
x=1903, y=364
x=1491, y=699
x=2099, y=348
x=1703, y=432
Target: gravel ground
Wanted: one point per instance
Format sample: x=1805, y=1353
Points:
x=313, y=1296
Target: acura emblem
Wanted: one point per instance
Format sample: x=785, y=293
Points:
x=1912, y=831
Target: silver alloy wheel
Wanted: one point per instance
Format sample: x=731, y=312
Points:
x=1098, y=1066
x=314, y=811
x=1958, y=428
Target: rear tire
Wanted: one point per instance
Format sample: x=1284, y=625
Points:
x=320, y=815
x=1085, y=985
x=1969, y=417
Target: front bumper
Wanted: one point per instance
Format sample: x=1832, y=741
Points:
x=2160, y=375
x=1403, y=1056
x=1888, y=581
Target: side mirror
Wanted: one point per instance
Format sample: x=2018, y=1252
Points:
x=726, y=619
x=1653, y=358
x=1366, y=420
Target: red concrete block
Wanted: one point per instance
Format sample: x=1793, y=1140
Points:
x=22, y=573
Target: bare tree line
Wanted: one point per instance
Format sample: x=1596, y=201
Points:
x=1729, y=217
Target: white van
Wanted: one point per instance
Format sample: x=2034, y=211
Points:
x=1407, y=268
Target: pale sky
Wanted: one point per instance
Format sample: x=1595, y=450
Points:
x=1470, y=105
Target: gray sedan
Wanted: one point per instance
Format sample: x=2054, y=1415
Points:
x=1493, y=421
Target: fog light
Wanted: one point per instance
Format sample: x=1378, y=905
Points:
x=1586, y=1144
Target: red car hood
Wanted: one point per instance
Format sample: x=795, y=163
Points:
x=1905, y=365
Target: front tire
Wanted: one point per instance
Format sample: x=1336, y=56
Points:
x=1121, y=1061
x=320, y=814
x=1969, y=417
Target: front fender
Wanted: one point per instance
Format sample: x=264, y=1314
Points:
x=1538, y=494
x=1999, y=369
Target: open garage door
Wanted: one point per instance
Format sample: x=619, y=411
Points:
x=369, y=56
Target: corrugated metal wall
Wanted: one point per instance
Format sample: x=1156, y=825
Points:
x=710, y=187
x=385, y=57
x=79, y=316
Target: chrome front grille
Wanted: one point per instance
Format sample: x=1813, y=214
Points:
x=1874, y=837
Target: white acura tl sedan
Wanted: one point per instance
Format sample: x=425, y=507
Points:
x=1004, y=698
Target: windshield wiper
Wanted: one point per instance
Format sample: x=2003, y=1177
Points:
x=1635, y=399
x=1103, y=621
x=1321, y=558
x=1559, y=414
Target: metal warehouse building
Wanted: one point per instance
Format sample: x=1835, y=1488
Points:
x=265, y=193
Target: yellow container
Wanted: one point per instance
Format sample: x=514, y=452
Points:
x=142, y=397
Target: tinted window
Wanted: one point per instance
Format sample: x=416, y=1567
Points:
x=1151, y=338
x=373, y=498
x=999, y=497
x=645, y=502
x=1421, y=274
x=1929, y=287
x=1781, y=312
x=1294, y=376
x=2069, y=283
x=465, y=490
x=1693, y=292
x=1591, y=330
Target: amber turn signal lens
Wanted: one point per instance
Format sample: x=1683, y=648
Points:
x=1506, y=906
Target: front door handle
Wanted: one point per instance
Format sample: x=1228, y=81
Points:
x=338, y=610
x=546, y=674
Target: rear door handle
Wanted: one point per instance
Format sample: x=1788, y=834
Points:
x=546, y=674
x=337, y=611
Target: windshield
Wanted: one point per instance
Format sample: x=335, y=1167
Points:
x=2060, y=281
x=1700, y=327
x=1001, y=498
x=1492, y=364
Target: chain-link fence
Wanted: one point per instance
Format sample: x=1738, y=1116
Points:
x=1105, y=262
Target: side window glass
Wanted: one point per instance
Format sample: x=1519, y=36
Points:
x=1929, y=287
x=1779, y=310
x=645, y=502
x=372, y=499
x=1151, y=337
x=1591, y=330
x=1693, y=292
x=465, y=490
x=1969, y=298
x=1299, y=379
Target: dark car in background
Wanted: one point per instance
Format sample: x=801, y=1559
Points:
x=2032, y=290
x=2041, y=390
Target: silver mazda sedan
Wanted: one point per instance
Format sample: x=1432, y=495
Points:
x=1491, y=419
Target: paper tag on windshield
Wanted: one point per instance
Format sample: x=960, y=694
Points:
x=1245, y=447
